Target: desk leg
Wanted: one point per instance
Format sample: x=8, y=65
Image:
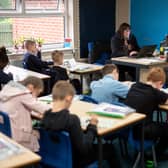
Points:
x=100, y=150
x=142, y=146
x=81, y=80
x=137, y=74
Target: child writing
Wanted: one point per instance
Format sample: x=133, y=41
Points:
x=4, y=61
x=59, y=118
x=19, y=100
x=109, y=89
x=145, y=98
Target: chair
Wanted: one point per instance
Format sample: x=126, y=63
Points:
x=5, y=124
x=88, y=99
x=55, y=149
x=147, y=144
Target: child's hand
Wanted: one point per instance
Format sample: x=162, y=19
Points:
x=94, y=120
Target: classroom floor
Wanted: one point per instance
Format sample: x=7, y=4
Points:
x=127, y=162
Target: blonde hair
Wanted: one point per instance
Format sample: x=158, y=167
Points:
x=62, y=89
x=57, y=55
x=156, y=74
x=28, y=43
x=109, y=68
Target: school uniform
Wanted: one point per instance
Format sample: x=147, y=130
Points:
x=34, y=63
x=4, y=78
x=108, y=90
x=146, y=99
x=63, y=120
x=82, y=142
x=58, y=73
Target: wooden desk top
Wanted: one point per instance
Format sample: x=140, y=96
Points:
x=80, y=108
x=19, y=160
x=91, y=68
x=140, y=61
x=20, y=73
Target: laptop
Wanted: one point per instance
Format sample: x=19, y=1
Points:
x=145, y=51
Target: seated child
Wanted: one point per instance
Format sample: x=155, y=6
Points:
x=109, y=89
x=32, y=58
x=57, y=72
x=19, y=100
x=59, y=118
x=4, y=78
x=145, y=98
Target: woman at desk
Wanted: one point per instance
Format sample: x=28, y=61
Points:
x=124, y=43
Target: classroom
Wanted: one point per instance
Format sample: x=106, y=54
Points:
x=83, y=84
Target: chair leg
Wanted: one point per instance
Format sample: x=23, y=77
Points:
x=154, y=156
x=137, y=160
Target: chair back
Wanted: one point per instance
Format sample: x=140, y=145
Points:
x=55, y=149
x=5, y=127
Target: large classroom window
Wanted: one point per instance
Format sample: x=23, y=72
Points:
x=43, y=20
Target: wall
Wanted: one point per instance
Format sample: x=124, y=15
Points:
x=122, y=12
x=97, y=22
x=149, y=20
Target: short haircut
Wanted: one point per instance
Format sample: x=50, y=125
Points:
x=109, y=68
x=156, y=74
x=123, y=26
x=32, y=80
x=4, y=60
x=29, y=43
x=62, y=89
x=56, y=55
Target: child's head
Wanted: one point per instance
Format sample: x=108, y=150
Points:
x=34, y=84
x=30, y=46
x=57, y=57
x=157, y=77
x=111, y=69
x=3, y=58
x=63, y=91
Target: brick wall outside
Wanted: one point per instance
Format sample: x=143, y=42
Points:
x=51, y=29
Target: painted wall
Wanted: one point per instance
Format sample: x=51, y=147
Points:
x=97, y=22
x=149, y=20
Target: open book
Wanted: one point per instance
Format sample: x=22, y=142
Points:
x=8, y=149
x=72, y=65
x=111, y=110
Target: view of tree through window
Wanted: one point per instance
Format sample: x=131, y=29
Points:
x=51, y=29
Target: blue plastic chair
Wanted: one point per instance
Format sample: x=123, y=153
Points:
x=5, y=126
x=55, y=149
x=137, y=145
x=88, y=99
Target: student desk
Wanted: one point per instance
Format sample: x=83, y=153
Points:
x=80, y=108
x=20, y=73
x=19, y=160
x=141, y=65
x=89, y=70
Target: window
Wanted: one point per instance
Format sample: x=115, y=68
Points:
x=8, y=5
x=37, y=19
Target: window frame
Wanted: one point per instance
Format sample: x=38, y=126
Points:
x=20, y=12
